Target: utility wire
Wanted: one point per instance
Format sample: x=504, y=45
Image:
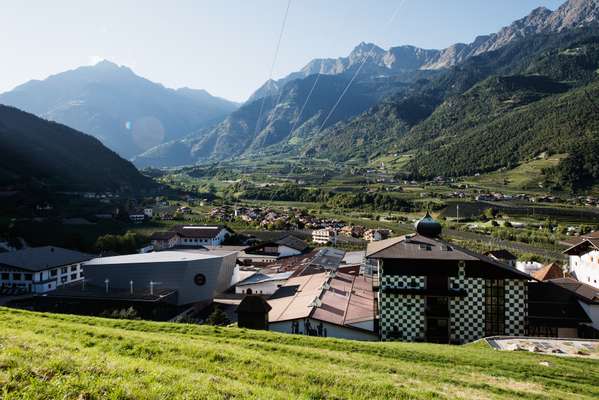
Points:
x=393, y=16
x=272, y=66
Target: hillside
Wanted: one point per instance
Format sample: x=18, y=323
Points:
x=280, y=121
x=43, y=153
x=92, y=358
x=128, y=113
x=493, y=111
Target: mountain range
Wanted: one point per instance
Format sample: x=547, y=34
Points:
x=127, y=113
x=501, y=100
x=411, y=80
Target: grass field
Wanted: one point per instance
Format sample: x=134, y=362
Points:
x=50, y=356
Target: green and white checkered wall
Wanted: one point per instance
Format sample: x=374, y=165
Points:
x=467, y=314
x=402, y=316
x=516, y=307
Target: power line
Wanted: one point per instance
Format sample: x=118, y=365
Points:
x=393, y=16
x=272, y=66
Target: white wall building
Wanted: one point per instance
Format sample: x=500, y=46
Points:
x=41, y=269
x=324, y=236
x=584, y=261
x=191, y=236
x=260, y=283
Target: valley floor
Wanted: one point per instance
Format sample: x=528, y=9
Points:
x=50, y=356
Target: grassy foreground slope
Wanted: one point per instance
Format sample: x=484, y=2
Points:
x=50, y=356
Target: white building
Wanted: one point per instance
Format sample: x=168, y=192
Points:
x=190, y=236
x=584, y=261
x=260, y=283
x=375, y=235
x=324, y=236
x=41, y=269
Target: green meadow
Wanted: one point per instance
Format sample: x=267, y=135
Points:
x=51, y=356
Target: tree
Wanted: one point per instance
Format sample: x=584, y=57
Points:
x=218, y=318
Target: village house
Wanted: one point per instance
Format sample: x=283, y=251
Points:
x=260, y=283
x=431, y=290
x=272, y=251
x=503, y=256
x=324, y=236
x=190, y=236
x=374, y=235
x=327, y=304
x=584, y=259
x=40, y=269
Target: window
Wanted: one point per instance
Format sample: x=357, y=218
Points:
x=73, y=276
x=54, y=272
x=5, y=276
x=494, y=307
x=16, y=277
x=28, y=277
x=64, y=270
x=73, y=268
x=63, y=279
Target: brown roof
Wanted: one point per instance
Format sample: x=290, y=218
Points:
x=551, y=271
x=583, y=244
x=339, y=299
x=253, y=304
x=586, y=293
x=418, y=247
x=198, y=231
x=501, y=254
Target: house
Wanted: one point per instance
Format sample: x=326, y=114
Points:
x=550, y=271
x=285, y=247
x=584, y=260
x=190, y=236
x=356, y=231
x=137, y=216
x=324, y=236
x=327, y=304
x=374, y=235
x=260, y=283
x=431, y=290
x=41, y=269
x=503, y=256
x=563, y=308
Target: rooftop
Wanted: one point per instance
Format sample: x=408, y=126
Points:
x=157, y=257
x=337, y=298
x=586, y=293
x=259, y=277
x=41, y=258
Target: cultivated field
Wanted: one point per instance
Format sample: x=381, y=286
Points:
x=49, y=356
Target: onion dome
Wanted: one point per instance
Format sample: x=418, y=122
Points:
x=428, y=226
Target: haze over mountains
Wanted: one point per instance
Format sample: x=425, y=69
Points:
x=432, y=107
x=127, y=113
x=401, y=71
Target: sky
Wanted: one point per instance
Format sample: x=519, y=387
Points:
x=227, y=47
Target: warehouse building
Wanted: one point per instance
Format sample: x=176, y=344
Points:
x=175, y=277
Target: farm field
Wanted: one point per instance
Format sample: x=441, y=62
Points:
x=50, y=356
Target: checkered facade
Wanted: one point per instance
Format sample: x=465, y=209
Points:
x=402, y=316
x=516, y=307
x=467, y=314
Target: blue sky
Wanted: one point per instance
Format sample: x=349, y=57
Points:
x=227, y=47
